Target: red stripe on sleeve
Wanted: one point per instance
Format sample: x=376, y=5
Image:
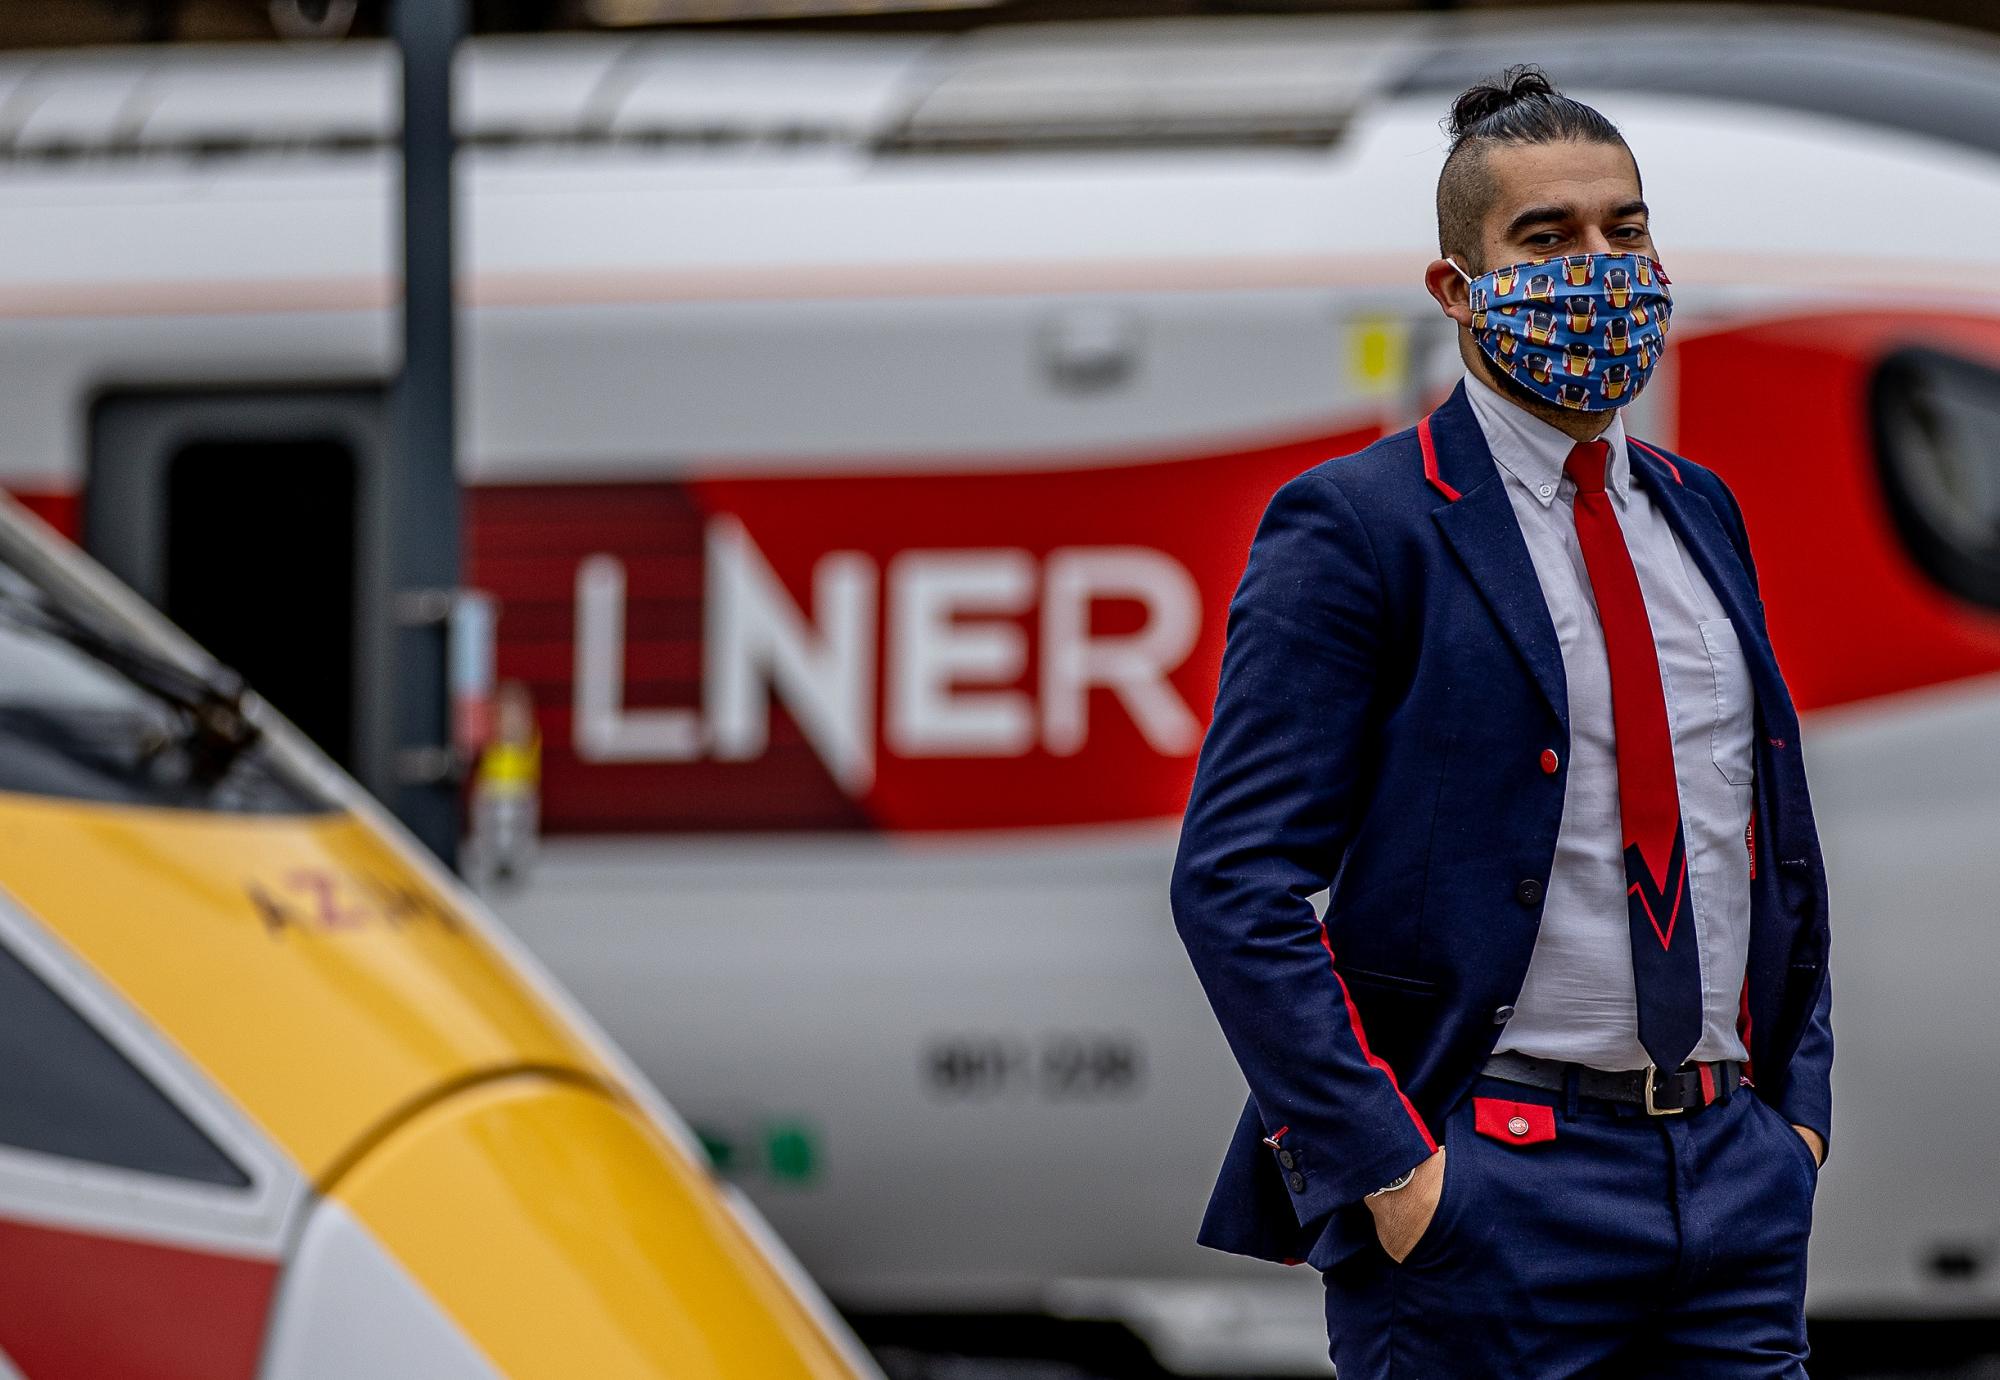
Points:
x=1361, y=1038
x=1743, y=1031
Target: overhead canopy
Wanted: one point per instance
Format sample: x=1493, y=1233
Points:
x=1223, y=82
x=1169, y=82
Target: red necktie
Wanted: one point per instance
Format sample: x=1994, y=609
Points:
x=1660, y=909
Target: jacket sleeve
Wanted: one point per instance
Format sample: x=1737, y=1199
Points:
x=1807, y=1097
x=1280, y=772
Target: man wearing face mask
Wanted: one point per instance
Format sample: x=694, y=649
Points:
x=1546, y=1092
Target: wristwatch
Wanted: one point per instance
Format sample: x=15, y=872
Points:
x=1400, y=1181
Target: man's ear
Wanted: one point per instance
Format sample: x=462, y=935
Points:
x=1445, y=283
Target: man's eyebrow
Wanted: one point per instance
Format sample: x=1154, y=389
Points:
x=1555, y=214
x=1539, y=215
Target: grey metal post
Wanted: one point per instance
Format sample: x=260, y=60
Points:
x=423, y=518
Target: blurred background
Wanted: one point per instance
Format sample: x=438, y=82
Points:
x=71, y=22
x=789, y=585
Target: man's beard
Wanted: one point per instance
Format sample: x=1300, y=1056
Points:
x=1528, y=399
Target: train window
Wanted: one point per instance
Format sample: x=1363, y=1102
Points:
x=1937, y=438
x=87, y=712
x=65, y=1090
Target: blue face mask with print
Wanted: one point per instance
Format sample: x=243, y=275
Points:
x=1584, y=331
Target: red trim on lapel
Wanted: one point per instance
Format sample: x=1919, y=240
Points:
x=1431, y=460
x=1672, y=468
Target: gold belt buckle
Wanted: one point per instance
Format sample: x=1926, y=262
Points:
x=1647, y=1090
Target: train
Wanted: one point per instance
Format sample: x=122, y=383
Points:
x=862, y=435
x=279, y=1100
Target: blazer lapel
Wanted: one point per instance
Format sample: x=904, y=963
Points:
x=1701, y=530
x=1484, y=534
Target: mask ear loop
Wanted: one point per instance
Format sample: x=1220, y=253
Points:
x=1463, y=274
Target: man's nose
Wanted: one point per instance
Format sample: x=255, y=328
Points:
x=1593, y=241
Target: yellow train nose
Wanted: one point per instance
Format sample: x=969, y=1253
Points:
x=568, y=1237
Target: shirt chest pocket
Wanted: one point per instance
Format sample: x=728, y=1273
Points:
x=1729, y=741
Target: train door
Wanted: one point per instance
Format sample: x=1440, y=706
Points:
x=252, y=519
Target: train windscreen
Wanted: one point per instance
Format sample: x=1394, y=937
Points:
x=1937, y=438
x=87, y=711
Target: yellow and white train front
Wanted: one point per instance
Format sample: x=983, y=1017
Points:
x=276, y=1100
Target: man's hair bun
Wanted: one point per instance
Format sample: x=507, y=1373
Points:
x=1521, y=106
x=1516, y=85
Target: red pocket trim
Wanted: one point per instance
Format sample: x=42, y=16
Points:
x=1515, y=1123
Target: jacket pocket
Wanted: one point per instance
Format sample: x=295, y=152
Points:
x=1387, y=982
x=1399, y=1013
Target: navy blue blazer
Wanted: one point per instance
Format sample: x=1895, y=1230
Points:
x=1390, y=679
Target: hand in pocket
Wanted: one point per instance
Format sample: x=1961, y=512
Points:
x=1402, y=1217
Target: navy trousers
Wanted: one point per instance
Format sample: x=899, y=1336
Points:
x=1578, y=1237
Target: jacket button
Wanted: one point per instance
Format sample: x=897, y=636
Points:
x=1517, y=1126
x=1297, y=1181
x=1550, y=761
x=1502, y=1014
x=1285, y=1158
x=1529, y=892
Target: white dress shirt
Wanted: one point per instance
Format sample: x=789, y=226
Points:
x=1577, y=1001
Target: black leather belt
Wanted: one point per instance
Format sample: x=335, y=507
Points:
x=1661, y=1094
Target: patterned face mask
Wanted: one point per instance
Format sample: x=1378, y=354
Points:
x=1584, y=331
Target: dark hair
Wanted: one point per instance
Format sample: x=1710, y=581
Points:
x=1522, y=107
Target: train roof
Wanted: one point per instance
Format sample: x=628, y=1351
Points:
x=1094, y=84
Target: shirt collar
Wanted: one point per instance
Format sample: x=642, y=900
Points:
x=1533, y=451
